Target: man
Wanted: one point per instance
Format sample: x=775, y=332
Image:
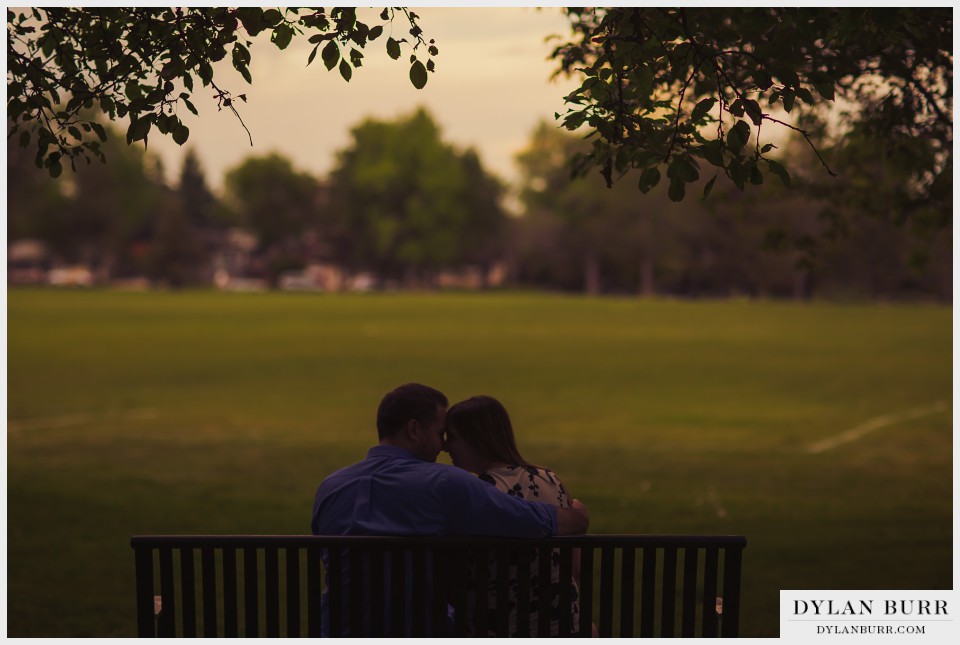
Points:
x=399, y=489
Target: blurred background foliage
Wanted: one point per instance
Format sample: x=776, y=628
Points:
x=405, y=207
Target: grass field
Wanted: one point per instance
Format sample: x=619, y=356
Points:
x=138, y=413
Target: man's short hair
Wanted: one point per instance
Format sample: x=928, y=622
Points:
x=410, y=401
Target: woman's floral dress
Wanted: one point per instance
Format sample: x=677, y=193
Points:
x=541, y=485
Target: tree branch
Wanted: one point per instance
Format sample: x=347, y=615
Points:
x=806, y=136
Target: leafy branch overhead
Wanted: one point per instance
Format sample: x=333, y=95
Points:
x=142, y=63
x=693, y=91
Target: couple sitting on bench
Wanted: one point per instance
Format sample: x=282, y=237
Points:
x=400, y=490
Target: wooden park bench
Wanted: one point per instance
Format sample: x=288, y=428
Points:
x=270, y=586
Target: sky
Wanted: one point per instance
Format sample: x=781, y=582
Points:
x=491, y=87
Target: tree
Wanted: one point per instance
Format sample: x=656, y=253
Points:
x=33, y=198
x=690, y=90
x=184, y=233
x=280, y=204
x=409, y=204
x=577, y=229
x=141, y=63
x=176, y=251
x=196, y=200
x=110, y=207
x=484, y=228
x=684, y=93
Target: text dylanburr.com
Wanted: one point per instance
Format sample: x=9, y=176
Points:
x=929, y=616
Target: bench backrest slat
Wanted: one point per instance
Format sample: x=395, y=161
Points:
x=586, y=592
x=209, y=576
x=733, y=559
x=605, y=626
x=231, y=623
x=668, y=605
x=628, y=564
x=647, y=586
x=292, y=572
x=166, y=623
x=689, y=613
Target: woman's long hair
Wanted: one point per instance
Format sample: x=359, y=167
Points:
x=483, y=422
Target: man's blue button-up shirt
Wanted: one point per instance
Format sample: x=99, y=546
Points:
x=391, y=492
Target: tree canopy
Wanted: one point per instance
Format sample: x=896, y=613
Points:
x=142, y=63
x=409, y=204
x=694, y=91
x=683, y=93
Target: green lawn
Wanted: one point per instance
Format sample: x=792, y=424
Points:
x=138, y=413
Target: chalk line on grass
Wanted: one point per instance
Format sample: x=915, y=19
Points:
x=873, y=424
x=67, y=420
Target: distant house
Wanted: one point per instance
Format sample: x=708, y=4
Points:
x=235, y=265
x=27, y=262
x=71, y=276
x=314, y=277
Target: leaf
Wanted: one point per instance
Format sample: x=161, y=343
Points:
x=779, y=171
x=709, y=186
x=282, y=36
x=649, y=178
x=132, y=90
x=677, y=191
x=712, y=152
x=736, y=108
x=55, y=169
x=737, y=174
x=607, y=172
x=330, y=55
x=393, y=48
x=245, y=73
x=644, y=81
x=313, y=54
x=702, y=108
x=805, y=95
x=375, y=33
x=418, y=75
x=788, y=98
x=205, y=71
x=738, y=136
x=271, y=17
x=762, y=79
x=252, y=19
x=345, y=70
x=825, y=90
x=181, y=134
x=682, y=170
x=756, y=177
x=385, y=14
x=753, y=111
x=138, y=129
x=101, y=133
x=190, y=106
x=24, y=138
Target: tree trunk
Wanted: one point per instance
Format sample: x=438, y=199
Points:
x=591, y=273
x=647, y=289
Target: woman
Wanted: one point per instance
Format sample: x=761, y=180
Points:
x=480, y=439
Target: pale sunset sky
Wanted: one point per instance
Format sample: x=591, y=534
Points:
x=491, y=87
